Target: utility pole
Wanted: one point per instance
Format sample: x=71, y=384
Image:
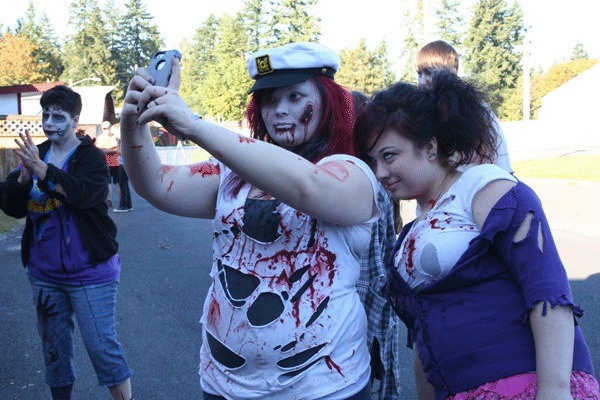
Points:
x=526, y=81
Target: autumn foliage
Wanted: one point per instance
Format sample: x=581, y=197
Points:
x=19, y=66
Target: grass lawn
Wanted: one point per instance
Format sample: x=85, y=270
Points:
x=584, y=167
x=199, y=155
x=581, y=167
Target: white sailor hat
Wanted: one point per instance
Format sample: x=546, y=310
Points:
x=291, y=64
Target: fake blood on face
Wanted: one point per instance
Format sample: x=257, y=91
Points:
x=307, y=114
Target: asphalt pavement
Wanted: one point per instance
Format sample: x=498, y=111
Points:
x=165, y=275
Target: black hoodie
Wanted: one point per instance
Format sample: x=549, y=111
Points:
x=86, y=186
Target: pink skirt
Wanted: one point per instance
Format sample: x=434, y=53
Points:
x=524, y=387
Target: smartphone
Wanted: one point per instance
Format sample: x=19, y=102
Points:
x=160, y=66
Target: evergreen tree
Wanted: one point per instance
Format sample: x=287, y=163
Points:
x=579, y=52
x=450, y=22
x=199, y=58
x=111, y=14
x=293, y=22
x=364, y=70
x=135, y=40
x=225, y=85
x=415, y=36
x=46, y=56
x=87, y=53
x=492, y=57
x=257, y=29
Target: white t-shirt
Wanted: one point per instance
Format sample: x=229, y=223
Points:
x=435, y=243
x=282, y=319
x=503, y=159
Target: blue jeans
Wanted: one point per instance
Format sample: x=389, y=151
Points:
x=94, y=307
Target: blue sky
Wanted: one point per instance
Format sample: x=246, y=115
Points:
x=555, y=26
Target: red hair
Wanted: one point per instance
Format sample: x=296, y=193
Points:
x=335, y=131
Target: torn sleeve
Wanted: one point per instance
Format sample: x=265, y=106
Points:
x=526, y=246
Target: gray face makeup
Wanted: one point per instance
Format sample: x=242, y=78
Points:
x=55, y=121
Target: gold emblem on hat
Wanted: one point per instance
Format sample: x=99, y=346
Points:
x=263, y=65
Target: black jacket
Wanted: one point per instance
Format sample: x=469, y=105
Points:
x=86, y=186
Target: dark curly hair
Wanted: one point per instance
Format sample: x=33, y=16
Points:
x=452, y=111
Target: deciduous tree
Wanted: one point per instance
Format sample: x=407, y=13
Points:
x=17, y=58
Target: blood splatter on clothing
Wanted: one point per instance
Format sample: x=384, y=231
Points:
x=437, y=240
x=287, y=301
x=205, y=169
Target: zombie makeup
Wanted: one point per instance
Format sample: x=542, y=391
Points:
x=307, y=114
x=56, y=122
x=292, y=113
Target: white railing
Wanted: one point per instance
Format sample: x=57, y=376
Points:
x=176, y=155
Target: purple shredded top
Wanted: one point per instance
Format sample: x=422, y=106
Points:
x=472, y=327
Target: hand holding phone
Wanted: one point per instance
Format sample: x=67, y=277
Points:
x=160, y=66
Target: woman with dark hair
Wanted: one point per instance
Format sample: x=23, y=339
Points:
x=69, y=245
x=292, y=210
x=476, y=277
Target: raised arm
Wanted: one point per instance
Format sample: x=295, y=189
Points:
x=189, y=190
x=335, y=191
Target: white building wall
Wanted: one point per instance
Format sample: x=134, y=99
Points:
x=575, y=104
x=9, y=104
x=30, y=104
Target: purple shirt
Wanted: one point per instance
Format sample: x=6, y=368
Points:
x=472, y=326
x=57, y=253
